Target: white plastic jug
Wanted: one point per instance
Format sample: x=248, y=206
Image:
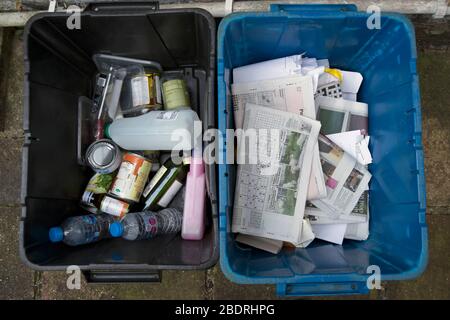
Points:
x=155, y=130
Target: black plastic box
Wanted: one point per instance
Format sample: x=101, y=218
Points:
x=59, y=69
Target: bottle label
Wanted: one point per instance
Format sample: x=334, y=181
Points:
x=114, y=207
x=167, y=115
x=131, y=178
x=170, y=194
x=139, y=91
x=100, y=183
x=158, y=175
x=151, y=227
x=88, y=199
x=158, y=191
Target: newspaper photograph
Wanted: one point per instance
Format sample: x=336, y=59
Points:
x=339, y=115
x=272, y=205
x=291, y=94
x=345, y=180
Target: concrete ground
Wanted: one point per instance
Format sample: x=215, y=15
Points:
x=19, y=282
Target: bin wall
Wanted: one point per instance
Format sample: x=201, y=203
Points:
x=386, y=58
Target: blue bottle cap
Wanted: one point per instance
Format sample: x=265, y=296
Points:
x=56, y=234
x=116, y=229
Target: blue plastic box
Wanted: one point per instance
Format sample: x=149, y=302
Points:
x=387, y=59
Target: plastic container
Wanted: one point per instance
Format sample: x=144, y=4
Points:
x=386, y=58
x=155, y=130
x=59, y=69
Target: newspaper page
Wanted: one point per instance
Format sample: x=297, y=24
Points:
x=345, y=179
x=292, y=94
x=271, y=203
x=339, y=115
x=361, y=210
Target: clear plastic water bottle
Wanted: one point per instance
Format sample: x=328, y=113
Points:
x=82, y=229
x=147, y=224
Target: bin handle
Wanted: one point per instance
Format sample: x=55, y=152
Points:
x=122, y=6
x=321, y=288
x=122, y=276
x=299, y=8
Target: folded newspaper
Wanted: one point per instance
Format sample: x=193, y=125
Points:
x=270, y=194
x=346, y=181
x=292, y=94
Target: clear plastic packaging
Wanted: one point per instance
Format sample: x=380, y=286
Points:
x=141, y=88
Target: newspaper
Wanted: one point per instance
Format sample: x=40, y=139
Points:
x=346, y=180
x=272, y=205
x=270, y=69
x=361, y=210
x=292, y=94
x=339, y=115
x=269, y=245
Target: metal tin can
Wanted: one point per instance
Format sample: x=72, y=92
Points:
x=114, y=206
x=104, y=156
x=175, y=94
x=131, y=178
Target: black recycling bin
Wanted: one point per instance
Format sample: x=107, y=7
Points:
x=58, y=70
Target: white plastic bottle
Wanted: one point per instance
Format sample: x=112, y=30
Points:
x=155, y=130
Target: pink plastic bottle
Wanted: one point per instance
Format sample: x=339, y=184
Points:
x=194, y=204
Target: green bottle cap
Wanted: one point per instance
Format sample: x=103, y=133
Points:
x=106, y=130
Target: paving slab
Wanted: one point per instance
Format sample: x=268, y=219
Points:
x=16, y=280
x=435, y=282
x=174, y=285
x=12, y=68
x=10, y=170
x=221, y=288
x=8, y=5
x=434, y=73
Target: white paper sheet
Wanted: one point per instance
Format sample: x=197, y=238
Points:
x=330, y=232
x=266, y=70
x=269, y=245
x=354, y=143
x=307, y=234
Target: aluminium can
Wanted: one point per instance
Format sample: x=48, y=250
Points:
x=104, y=156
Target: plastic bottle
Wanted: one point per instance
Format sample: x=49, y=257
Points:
x=147, y=224
x=155, y=130
x=82, y=229
x=194, y=204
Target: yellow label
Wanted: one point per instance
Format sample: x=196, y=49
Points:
x=335, y=73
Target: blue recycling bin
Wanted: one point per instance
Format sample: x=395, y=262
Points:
x=386, y=57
